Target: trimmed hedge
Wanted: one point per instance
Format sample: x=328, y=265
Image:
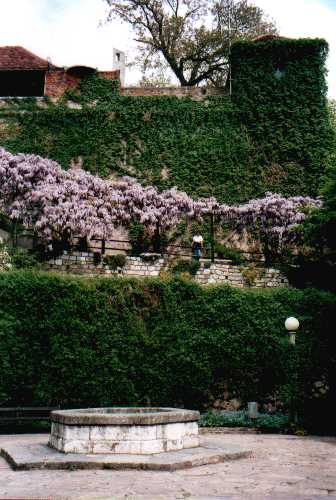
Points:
x=279, y=88
x=96, y=342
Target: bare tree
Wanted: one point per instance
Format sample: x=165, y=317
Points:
x=191, y=37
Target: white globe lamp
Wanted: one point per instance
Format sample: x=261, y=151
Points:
x=292, y=325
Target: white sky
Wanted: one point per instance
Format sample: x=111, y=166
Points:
x=68, y=31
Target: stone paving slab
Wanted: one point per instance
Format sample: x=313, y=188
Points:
x=281, y=468
x=32, y=456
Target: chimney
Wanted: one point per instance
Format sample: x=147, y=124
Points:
x=119, y=62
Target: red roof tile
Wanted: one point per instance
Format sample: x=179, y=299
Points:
x=18, y=58
x=267, y=37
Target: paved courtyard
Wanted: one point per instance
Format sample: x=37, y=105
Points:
x=281, y=467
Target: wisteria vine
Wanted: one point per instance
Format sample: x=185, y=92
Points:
x=38, y=193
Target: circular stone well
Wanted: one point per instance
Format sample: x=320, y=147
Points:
x=133, y=431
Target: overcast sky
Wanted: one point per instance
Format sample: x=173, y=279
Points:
x=68, y=31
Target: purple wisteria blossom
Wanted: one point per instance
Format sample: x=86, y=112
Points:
x=41, y=195
x=273, y=217
x=38, y=193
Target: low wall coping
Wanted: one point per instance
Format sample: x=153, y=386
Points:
x=123, y=416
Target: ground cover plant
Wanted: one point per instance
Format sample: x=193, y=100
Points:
x=73, y=342
x=276, y=422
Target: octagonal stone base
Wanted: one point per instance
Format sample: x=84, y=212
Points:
x=131, y=431
x=33, y=453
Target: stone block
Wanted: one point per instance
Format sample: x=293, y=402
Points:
x=190, y=429
x=173, y=444
x=151, y=447
x=73, y=433
x=123, y=432
x=191, y=441
x=76, y=446
x=117, y=447
x=173, y=431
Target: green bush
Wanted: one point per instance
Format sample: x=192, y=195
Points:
x=115, y=261
x=224, y=252
x=109, y=341
x=138, y=238
x=186, y=266
x=22, y=258
x=264, y=421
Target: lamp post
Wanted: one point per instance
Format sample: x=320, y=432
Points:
x=292, y=325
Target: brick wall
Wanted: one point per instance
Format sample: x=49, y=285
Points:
x=57, y=82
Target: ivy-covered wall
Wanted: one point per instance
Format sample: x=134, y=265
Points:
x=273, y=135
x=279, y=88
x=166, y=141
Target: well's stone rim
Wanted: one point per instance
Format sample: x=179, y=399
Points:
x=124, y=416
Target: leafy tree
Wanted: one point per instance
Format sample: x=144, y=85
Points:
x=191, y=37
x=320, y=228
x=156, y=78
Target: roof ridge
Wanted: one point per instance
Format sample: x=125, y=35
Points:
x=13, y=57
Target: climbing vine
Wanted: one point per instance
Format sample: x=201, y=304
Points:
x=273, y=135
x=279, y=88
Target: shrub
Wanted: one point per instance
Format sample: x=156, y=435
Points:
x=97, y=258
x=265, y=421
x=185, y=266
x=252, y=272
x=224, y=252
x=139, y=240
x=22, y=258
x=150, y=257
x=104, y=342
x=115, y=261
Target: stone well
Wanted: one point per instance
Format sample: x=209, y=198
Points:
x=134, y=431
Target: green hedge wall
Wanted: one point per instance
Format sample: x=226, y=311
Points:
x=279, y=87
x=78, y=342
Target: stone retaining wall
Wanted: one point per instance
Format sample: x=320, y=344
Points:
x=221, y=271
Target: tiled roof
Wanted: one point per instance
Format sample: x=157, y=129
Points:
x=18, y=58
x=267, y=37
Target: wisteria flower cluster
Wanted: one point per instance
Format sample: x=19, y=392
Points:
x=38, y=193
x=41, y=195
x=273, y=217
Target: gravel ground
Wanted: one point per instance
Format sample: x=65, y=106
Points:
x=282, y=467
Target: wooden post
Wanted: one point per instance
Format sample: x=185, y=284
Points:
x=157, y=238
x=212, y=242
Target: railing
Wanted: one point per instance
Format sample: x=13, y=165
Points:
x=104, y=246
